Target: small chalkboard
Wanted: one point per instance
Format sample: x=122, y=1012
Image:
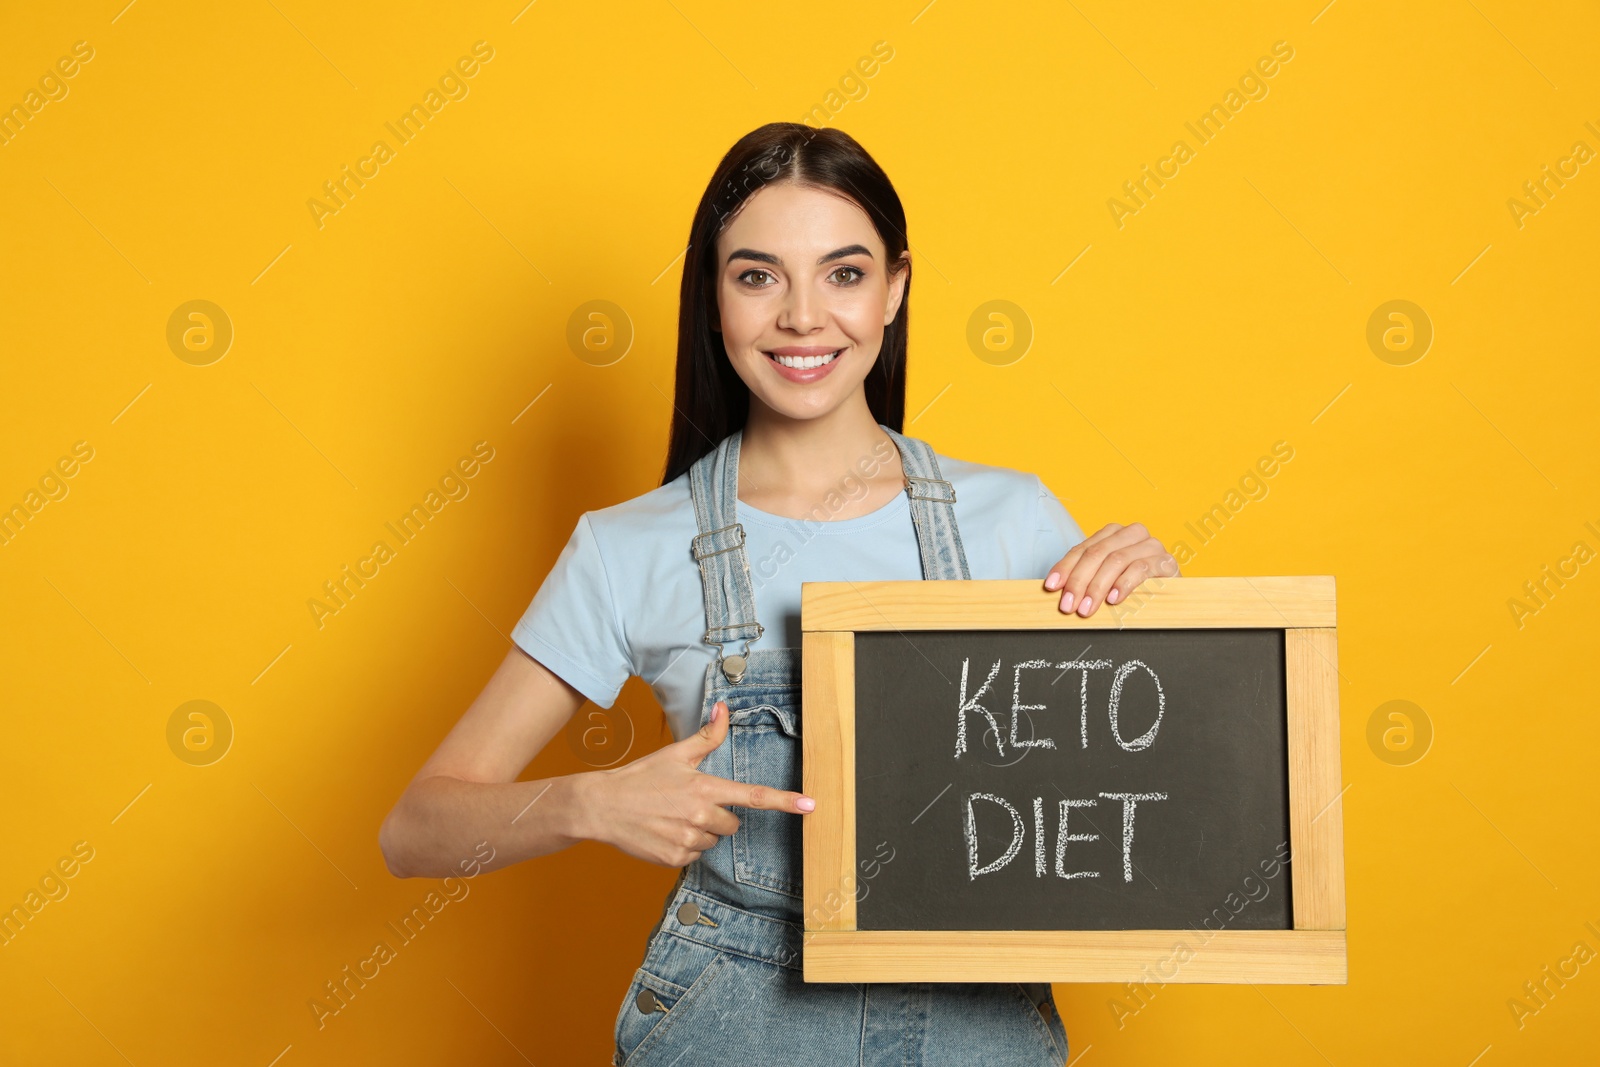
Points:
x=1007, y=792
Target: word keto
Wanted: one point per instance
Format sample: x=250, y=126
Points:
x=1113, y=704
x=1580, y=554
x=1140, y=993
x=1250, y=485
x=1521, y=1010
x=1581, y=153
x=51, y=485
x=52, y=885
x=53, y=86
x=339, y=190
x=854, y=88
x=339, y=589
x=767, y=567
x=341, y=991
x=1253, y=88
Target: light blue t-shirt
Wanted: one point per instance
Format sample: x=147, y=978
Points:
x=624, y=596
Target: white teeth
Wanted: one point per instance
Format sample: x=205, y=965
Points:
x=807, y=362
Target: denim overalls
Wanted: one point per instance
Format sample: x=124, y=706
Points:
x=721, y=982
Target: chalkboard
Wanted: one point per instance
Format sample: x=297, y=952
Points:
x=1011, y=793
x=1072, y=780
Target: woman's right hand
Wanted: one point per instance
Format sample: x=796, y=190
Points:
x=661, y=808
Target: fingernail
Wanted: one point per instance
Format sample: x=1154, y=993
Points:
x=1053, y=582
x=716, y=710
x=1066, y=603
x=805, y=804
x=1111, y=597
x=1085, y=606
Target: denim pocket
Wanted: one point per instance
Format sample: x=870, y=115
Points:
x=766, y=751
x=676, y=972
x=1041, y=1001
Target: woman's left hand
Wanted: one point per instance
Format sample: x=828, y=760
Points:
x=1108, y=565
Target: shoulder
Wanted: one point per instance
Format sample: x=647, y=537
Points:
x=983, y=488
x=645, y=522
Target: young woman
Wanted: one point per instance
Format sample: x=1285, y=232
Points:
x=786, y=464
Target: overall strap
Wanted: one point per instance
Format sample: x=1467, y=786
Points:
x=719, y=548
x=932, y=513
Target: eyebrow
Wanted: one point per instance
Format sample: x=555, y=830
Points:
x=767, y=257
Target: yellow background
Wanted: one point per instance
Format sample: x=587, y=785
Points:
x=371, y=353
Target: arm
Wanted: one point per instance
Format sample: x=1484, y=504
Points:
x=659, y=808
x=467, y=790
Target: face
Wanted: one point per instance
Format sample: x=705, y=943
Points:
x=803, y=295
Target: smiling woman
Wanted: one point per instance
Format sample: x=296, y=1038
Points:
x=792, y=343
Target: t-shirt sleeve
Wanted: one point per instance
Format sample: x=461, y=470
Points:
x=573, y=626
x=1055, y=531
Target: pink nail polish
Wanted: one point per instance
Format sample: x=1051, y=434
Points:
x=1053, y=582
x=1066, y=603
x=1085, y=606
x=806, y=804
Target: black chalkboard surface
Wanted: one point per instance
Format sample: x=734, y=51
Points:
x=1165, y=749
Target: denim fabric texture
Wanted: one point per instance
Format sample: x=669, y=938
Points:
x=723, y=978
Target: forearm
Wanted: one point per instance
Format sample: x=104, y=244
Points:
x=440, y=821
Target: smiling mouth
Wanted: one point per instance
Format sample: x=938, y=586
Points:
x=805, y=362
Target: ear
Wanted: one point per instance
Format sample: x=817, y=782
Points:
x=897, y=287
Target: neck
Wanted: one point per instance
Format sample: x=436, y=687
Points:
x=782, y=457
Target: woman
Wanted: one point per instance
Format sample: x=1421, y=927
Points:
x=790, y=395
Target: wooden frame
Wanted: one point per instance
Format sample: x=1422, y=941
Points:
x=1313, y=952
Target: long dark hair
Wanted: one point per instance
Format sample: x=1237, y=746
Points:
x=711, y=400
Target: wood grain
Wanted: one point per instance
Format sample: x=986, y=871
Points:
x=1003, y=604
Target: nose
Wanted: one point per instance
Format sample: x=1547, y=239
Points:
x=802, y=310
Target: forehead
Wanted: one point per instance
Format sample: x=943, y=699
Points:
x=783, y=217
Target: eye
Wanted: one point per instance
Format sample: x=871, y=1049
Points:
x=856, y=271
x=745, y=277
